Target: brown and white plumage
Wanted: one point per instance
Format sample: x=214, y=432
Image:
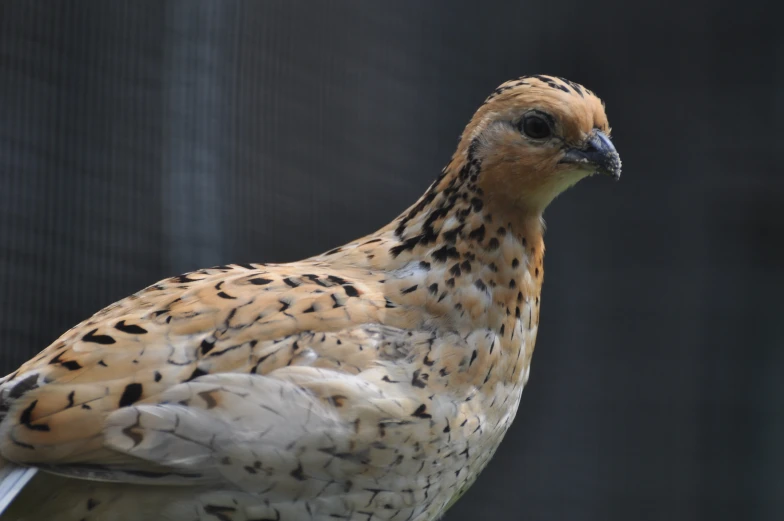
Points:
x=371, y=382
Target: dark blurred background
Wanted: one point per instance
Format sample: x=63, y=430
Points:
x=143, y=139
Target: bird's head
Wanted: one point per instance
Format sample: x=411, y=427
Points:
x=536, y=136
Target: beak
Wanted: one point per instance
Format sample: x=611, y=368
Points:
x=598, y=152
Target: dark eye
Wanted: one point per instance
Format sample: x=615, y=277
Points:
x=536, y=127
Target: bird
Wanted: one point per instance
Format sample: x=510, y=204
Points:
x=370, y=382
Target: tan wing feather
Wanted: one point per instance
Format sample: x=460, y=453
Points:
x=210, y=321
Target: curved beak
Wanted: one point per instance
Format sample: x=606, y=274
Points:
x=598, y=153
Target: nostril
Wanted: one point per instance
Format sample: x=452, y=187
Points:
x=593, y=145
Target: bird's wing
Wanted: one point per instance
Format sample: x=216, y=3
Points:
x=292, y=433
x=137, y=392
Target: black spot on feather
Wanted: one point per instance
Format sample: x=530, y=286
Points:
x=206, y=346
x=406, y=245
x=131, y=329
x=183, y=279
x=420, y=412
x=298, y=474
x=71, y=365
x=26, y=418
x=291, y=282
x=98, y=339
x=419, y=379
x=477, y=234
x=130, y=395
x=451, y=235
x=444, y=253
x=195, y=374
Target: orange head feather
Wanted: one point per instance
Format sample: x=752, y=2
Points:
x=534, y=138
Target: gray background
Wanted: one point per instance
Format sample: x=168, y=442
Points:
x=142, y=139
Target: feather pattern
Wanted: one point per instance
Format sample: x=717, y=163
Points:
x=374, y=381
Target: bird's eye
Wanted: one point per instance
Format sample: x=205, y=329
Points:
x=536, y=127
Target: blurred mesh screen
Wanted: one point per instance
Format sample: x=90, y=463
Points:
x=141, y=139
x=144, y=139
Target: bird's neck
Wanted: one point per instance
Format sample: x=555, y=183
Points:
x=459, y=255
x=456, y=217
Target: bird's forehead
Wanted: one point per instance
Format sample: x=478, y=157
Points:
x=577, y=108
